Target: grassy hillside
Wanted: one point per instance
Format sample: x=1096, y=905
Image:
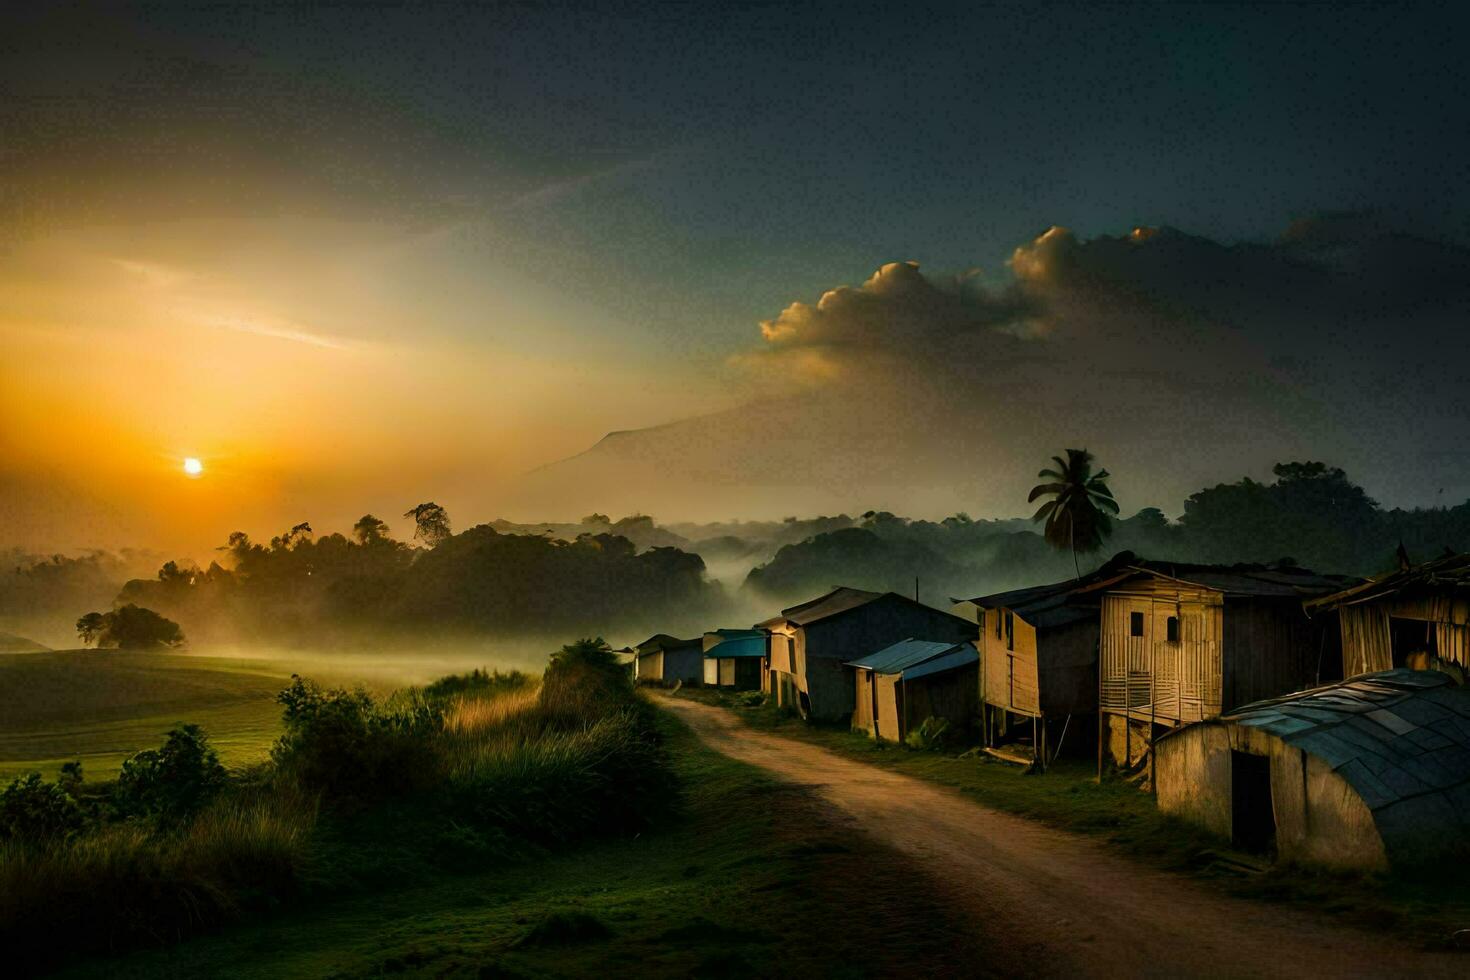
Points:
x=101, y=706
x=749, y=877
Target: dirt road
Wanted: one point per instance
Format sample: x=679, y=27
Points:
x=1050, y=903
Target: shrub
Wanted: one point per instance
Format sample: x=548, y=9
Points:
x=33, y=811
x=173, y=782
x=344, y=744
x=583, y=683
x=477, y=683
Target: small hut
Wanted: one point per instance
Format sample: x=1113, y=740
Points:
x=1359, y=775
x=668, y=660
x=812, y=642
x=1416, y=617
x=899, y=687
x=735, y=658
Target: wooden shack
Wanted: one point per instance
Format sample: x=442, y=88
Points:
x=1418, y=617
x=899, y=687
x=735, y=658
x=668, y=660
x=1359, y=775
x=1038, y=659
x=1182, y=643
x=812, y=642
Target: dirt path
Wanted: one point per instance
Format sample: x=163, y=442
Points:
x=1050, y=903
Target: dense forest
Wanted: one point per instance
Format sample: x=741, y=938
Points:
x=1311, y=515
x=633, y=576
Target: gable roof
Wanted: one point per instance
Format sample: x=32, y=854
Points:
x=905, y=653
x=839, y=600
x=1242, y=580
x=1450, y=573
x=664, y=642
x=1400, y=738
x=1049, y=606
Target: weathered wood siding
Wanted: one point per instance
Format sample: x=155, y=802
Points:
x=1271, y=648
x=1008, y=659
x=1367, y=643
x=1150, y=676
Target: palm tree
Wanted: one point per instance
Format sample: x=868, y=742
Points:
x=1079, y=514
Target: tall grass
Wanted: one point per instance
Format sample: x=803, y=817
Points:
x=125, y=885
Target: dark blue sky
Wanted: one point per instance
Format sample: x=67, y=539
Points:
x=741, y=158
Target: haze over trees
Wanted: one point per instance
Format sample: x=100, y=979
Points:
x=632, y=576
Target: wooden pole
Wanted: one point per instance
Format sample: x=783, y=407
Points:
x=1153, y=711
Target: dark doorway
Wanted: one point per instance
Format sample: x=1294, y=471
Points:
x=1411, y=636
x=1252, y=821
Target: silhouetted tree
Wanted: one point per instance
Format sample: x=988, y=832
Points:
x=431, y=523
x=132, y=627
x=369, y=530
x=89, y=627
x=1079, y=514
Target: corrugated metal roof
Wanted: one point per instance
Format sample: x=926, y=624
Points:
x=905, y=653
x=730, y=634
x=1395, y=736
x=963, y=655
x=1448, y=574
x=738, y=646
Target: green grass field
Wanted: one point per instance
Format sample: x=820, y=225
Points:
x=101, y=706
x=749, y=877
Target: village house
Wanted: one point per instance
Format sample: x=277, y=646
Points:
x=812, y=642
x=735, y=658
x=901, y=686
x=1038, y=660
x=668, y=660
x=1181, y=643
x=1416, y=617
x=1359, y=775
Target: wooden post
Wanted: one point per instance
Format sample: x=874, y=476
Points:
x=1035, y=742
x=1153, y=711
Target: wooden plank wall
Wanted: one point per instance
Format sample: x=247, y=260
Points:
x=1148, y=675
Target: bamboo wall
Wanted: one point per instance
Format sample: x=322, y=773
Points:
x=1148, y=676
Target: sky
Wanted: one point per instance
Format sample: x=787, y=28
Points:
x=360, y=256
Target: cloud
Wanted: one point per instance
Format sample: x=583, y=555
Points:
x=1189, y=358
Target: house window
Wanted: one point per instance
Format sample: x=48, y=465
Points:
x=1171, y=629
x=1135, y=624
x=1010, y=632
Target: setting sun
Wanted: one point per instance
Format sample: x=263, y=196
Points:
x=193, y=467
